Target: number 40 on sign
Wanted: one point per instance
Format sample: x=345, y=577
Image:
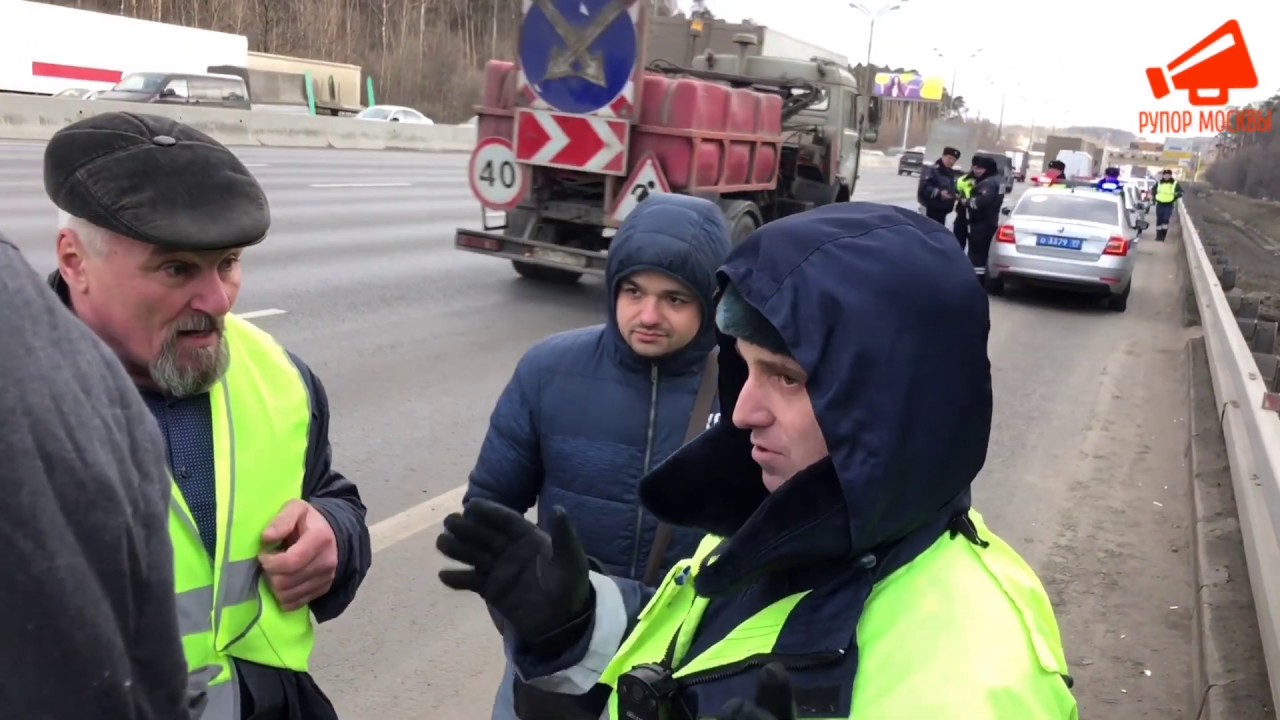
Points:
x=497, y=180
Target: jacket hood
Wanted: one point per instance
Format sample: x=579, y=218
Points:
x=878, y=305
x=684, y=237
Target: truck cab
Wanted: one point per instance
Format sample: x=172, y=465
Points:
x=823, y=140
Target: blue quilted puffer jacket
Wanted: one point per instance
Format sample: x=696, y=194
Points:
x=583, y=418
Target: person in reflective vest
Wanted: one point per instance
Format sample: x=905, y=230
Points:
x=964, y=188
x=154, y=219
x=1110, y=182
x=1166, y=195
x=842, y=551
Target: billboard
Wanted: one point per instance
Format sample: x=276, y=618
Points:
x=908, y=86
x=1177, y=149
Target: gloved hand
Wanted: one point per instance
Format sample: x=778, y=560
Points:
x=773, y=698
x=538, y=583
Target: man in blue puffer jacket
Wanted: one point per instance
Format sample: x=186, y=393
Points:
x=589, y=412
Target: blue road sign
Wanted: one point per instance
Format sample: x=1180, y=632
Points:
x=578, y=54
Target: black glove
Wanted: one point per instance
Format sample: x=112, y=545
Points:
x=537, y=583
x=773, y=698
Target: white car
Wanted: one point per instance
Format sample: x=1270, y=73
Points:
x=1077, y=239
x=393, y=113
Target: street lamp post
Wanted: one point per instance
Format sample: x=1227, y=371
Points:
x=955, y=69
x=869, y=76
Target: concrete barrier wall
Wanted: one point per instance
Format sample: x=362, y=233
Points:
x=37, y=118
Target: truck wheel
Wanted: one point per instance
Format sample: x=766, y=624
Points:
x=555, y=276
x=516, y=222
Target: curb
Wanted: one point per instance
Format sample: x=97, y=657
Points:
x=1229, y=678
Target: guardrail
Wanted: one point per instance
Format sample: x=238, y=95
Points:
x=1250, y=430
x=27, y=117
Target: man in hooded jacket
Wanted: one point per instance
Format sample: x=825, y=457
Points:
x=588, y=412
x=841, y=551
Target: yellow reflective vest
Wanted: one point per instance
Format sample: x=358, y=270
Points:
x=961, y=631
x=261, y=416
x=964, y=187
x=1166, y=192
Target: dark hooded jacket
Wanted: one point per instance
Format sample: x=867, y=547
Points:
x=901, y=387
x=584, y=417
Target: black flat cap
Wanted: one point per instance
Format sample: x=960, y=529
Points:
x=155, y=180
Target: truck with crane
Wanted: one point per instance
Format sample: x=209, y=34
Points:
x=578, y=131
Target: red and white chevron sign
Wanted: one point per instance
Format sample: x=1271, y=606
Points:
x=572, y=142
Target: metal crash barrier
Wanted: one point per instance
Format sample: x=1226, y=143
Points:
x=1251, y=432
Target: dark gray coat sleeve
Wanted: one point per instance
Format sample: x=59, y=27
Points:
x=88, y=626
x=338, y=499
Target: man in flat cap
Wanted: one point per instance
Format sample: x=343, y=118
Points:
x=154, y=218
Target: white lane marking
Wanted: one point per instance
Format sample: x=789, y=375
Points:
x=260, y=313
x=257, y=165
x=404, y=525
x=361, y=185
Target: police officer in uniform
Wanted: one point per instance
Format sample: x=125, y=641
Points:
x=983, y=207
x=936, y=192
x=155, y=218
x=1057, y=174
x=1110, y=181
x=1167, y=193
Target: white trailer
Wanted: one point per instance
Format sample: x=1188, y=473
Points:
x=780, y=44
x=45, y=49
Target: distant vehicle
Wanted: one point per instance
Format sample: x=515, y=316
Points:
x=1019, y=175
x=764, y=135
x=911, y=163
x=956, y=134
x=48, y=48
x=393, y=113
x=1133, y=201
x=1079, y=163
x=1077, y=239
x=189, y=89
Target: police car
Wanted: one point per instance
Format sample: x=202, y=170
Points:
x=1080, y=239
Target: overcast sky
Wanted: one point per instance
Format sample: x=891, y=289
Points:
x=1036, y=51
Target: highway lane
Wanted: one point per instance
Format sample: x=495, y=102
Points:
x=414, y=340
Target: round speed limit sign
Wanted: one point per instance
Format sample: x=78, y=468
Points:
x=497, y=180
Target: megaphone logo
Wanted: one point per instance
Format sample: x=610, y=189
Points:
x=1210, y=70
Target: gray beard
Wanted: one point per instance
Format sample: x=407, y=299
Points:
x=184, y=373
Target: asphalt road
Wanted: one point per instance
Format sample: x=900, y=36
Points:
x=414, y=341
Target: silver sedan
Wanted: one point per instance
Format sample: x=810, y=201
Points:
x=1077, y=239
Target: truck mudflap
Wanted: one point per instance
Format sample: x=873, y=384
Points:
x=534, y=252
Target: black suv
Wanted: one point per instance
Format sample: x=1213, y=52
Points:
x=910, y=163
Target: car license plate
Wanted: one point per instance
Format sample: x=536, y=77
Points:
x=1056, y=241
